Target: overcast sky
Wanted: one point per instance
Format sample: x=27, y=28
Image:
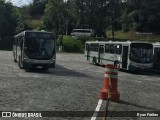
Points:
x=20, y=2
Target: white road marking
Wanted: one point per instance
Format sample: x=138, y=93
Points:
x=97, y=109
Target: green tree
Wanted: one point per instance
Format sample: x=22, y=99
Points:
x=55, y=16
x=90, y=14
x=136, y=15
x=142, y=15
x=8, y=22
x=37, y=8
x=24, y=20
x=7, y=19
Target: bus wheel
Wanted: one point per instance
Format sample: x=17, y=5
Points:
x=94, y=60
x=116, y=64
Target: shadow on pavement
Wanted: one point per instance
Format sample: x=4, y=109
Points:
x=138, y=106
x=59, y=71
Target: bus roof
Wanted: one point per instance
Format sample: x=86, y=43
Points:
x=118, y=42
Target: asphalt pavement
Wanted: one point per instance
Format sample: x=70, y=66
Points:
x=74, y=85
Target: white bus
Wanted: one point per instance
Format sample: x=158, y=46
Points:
x=35, y=49
x=156, y=52
x=128, y=55
x=82, y=33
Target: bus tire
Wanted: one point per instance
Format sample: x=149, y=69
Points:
x=94, y=60
x=116, y=63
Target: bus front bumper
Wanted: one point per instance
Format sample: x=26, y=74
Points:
x=28, y=65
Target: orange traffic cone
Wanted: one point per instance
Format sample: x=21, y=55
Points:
x=109, y=89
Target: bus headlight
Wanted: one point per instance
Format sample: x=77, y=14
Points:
x=52, y=61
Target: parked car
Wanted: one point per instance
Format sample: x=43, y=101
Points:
x=82, y=33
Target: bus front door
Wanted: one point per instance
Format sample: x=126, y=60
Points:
x=125, y=57
x=100, y=53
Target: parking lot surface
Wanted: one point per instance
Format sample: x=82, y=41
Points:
x=74, y=85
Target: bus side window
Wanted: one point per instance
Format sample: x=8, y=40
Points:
x=96, y=47
x=102, y=49
x=118, y=49
x=92, y=47
x=112, y=48
x=107, y=48
x=21, y=42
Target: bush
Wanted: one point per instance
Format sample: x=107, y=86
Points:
x=83, y=39
x=70, y=44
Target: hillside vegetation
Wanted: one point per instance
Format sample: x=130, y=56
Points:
x=123, y=20
x=134, y=36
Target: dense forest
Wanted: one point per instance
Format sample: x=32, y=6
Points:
x=62, y=16
x=102, y=15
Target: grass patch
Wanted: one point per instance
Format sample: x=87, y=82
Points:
x=134, y=36
x=71, y=44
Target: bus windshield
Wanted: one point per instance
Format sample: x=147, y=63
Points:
x=141, y=52
x=39, y=48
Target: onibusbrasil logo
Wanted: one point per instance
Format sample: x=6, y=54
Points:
x=21, y=114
